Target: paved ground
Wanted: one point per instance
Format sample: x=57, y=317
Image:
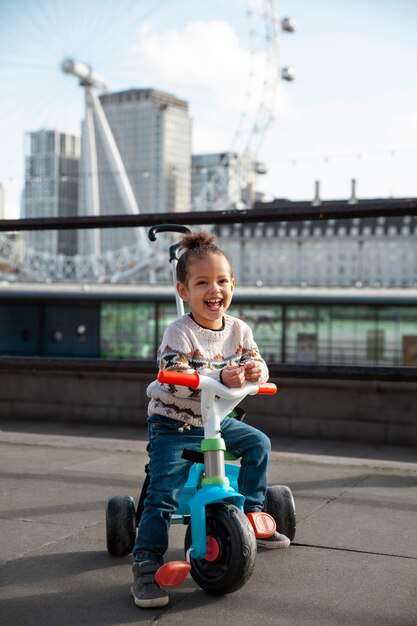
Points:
x=353, y=561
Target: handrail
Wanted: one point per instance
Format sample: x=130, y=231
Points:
x=288, y=211
x=133, y=366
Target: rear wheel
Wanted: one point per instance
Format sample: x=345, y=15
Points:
x=235, y=550
x=279, y=503
x=120, y=525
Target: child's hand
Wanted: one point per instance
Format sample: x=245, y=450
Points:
x=233, y=376
x=253, y=371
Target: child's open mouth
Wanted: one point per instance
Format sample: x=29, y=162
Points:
x=215, y=304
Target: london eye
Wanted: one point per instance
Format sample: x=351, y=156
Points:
x=44, y=44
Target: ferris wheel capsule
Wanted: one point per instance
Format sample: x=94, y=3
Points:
x=287, y=73
x=289, y=25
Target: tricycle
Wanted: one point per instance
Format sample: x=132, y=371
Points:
x=220, y=540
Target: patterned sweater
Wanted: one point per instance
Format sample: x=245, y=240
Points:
x=187, y=347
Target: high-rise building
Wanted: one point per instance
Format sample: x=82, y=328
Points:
x=51, y=187
x=152, y=131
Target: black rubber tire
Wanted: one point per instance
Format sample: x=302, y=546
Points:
x=279, y=503
x=120, y=525
x=234, y=565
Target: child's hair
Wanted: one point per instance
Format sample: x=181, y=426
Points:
x=195, y=246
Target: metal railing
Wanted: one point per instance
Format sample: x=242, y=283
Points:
x=266, y=212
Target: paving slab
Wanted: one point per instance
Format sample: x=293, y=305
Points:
x=353, y=561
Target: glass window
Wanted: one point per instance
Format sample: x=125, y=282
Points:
x=127, y=330
x=166, y=314
x=306, y=334
x=314, y=334
x=265, y=320
x=354, y=336
x=50, y=145
x=35, y=143
x=400, y=329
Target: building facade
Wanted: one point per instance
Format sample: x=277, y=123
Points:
x=51, y=187
x=152, y=130
x=358, y=252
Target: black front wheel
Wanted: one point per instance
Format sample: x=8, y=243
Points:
x=230, y=529
x=279, y=503
x=120, y=525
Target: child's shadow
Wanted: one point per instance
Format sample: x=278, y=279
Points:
x=90, y=588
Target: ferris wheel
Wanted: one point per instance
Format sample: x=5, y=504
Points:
x=264, y=73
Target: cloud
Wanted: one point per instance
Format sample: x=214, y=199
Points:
x=206, y=63
x=206, y=55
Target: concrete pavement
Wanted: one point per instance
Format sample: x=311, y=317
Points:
x=353, y=561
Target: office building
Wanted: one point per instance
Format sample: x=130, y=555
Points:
x=51, y=187
x=152, y=130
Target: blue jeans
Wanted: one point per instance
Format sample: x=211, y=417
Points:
x=169, y=472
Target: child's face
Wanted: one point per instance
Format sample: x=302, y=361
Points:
x=208, y=290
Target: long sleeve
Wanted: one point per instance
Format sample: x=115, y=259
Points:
x=251, y=353
x=187, y=347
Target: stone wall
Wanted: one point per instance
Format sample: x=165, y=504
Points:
x=377, y=412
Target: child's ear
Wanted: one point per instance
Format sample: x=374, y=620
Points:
x=182, y=290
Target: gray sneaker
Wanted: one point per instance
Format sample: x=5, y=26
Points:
x=275, y=542
x=145, y=591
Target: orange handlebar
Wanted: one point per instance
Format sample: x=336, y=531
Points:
x=193, y=380
x=268, y=389
x=178, y=378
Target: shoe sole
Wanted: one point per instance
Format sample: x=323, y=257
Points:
x=150, y=604
x=269, y=545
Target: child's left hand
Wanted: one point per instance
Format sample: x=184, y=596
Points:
x=253, y=371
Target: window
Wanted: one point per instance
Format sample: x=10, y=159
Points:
x=50, y=142
x=127, y=330
x=62, y=143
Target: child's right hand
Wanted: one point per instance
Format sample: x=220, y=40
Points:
x=233, y=376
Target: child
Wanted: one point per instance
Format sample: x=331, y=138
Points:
x=216, y=345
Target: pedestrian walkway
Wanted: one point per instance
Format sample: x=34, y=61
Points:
x=353, y=561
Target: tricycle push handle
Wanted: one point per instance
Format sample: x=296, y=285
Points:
x=166, y=228
x=173, y=250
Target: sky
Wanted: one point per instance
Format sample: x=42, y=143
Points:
x=351, y=111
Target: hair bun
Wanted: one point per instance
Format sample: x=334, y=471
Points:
x=194, y=246
x=197, y=240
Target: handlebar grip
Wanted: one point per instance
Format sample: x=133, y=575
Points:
x=166, y=228
x=178, y=378
x=268, y=389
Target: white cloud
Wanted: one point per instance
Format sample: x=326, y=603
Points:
x=206, y=63
x=204, y=54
